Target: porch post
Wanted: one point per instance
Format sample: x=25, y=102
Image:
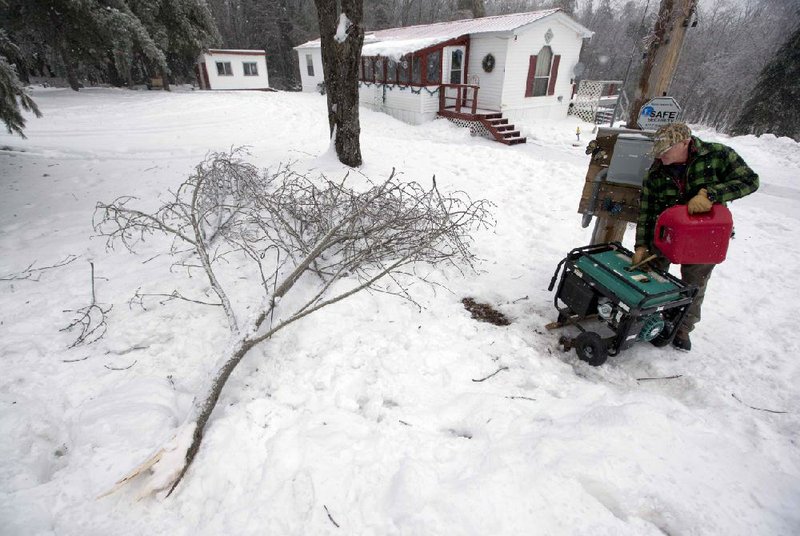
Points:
x=474, y=99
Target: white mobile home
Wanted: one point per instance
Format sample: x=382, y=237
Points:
x=232, y=69
x=478, y=72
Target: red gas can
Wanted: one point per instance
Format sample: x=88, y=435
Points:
x=694, y=239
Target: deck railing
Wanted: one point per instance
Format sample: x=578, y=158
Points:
x=461, y=98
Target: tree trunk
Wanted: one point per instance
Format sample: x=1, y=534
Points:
x=204, y=405
x=662, y=54
x=340, y=61
x=72, y=77
x=128, y=73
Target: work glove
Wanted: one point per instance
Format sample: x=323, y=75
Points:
x=699, y=203
x=639, y=254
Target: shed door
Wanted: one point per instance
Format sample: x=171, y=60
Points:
x=455, y=64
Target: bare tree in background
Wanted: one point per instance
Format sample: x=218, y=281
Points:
x=465, y=9
x=341, y=37
x=305, y=244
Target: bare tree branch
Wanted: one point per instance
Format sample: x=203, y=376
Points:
x=91, y=320
x=34, y=274
x=330, y=242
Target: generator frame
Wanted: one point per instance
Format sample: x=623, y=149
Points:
x=630, y=317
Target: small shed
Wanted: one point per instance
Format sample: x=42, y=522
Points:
x=481, y=72
x=232, y=69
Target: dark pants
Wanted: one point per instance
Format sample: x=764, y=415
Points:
x=692, y=274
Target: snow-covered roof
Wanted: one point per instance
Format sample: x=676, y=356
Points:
x=234, y=51
x=394, y=42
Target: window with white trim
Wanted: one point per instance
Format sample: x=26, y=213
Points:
x=310, y=65
x=541, y=78
x=224, y=68
x=250, y=68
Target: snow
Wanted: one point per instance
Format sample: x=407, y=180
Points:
x=341, y=28
x=444, y=31
x=368, y=412
x=397, y=49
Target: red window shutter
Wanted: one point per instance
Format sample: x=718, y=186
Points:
x=553, y=74
x=531, y=73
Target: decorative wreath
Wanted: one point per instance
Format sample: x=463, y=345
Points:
x=488, y=63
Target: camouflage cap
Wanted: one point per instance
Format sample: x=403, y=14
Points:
x=668, y=135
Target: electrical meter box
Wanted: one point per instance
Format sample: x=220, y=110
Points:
x=619, y=160
x=631, y=159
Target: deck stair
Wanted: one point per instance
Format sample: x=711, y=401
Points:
x=500, y=129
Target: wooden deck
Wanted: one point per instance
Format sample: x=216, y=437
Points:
x=459, y=102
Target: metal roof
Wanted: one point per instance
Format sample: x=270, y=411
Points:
x=235, y=51
x=444, y=31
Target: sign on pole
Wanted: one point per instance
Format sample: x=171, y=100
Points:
x=658, y=112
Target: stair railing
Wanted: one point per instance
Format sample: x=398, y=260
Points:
x=458, y=97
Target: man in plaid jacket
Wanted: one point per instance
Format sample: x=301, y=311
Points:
x=688, y=171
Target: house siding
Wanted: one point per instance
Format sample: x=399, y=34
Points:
x=400, y=103
x=490, y=93
x=566, y=43
x=237, y=80
x=310, y=83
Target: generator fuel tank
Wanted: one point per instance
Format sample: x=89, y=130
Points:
x=696, y=238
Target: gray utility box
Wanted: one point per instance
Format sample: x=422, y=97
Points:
x=631, y=159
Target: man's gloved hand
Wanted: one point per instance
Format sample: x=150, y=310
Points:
x=639, y=254
x=699, y=203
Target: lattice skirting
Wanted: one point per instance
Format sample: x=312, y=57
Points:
x=476, y=128
x=586, y=103
x=587, y=99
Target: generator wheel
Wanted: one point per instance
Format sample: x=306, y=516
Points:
x=591, y=348
x=660, y=340
x=663, y=338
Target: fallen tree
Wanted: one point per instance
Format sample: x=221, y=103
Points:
x=311, y=241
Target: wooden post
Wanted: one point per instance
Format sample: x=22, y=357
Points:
x=662, y=54
x=608, y=229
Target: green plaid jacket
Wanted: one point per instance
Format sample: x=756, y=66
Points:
x=713, y=166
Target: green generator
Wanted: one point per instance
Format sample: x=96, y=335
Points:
x=623, y=306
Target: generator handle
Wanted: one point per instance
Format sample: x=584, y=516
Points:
x=555, y=275
x=577, y=252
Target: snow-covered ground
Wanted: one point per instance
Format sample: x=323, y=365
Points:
x=367, y=414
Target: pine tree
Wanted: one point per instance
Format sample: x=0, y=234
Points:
x=774, y=103
x=12, y=94
x=112, y=39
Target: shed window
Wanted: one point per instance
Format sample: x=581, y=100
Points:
x=391, y=71
x=416, y=70
x=379, y=70
x=403, y=71
x=369, y=70
x=250, y=68
x=309, y=65
x=433, y=73
x=224, y=68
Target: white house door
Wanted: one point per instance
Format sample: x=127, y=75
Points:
x=455, y=64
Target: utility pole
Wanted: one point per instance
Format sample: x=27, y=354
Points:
x=663, y=53
x=661, y=59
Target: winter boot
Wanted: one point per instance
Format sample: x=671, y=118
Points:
x=682, y=341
